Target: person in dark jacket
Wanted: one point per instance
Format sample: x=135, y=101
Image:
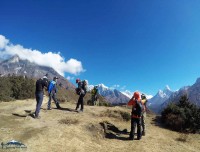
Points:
x=39, y=93
x=83, y=91
x=52, y=90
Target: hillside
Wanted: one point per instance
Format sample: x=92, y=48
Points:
x=15, y=65
x=68, y=131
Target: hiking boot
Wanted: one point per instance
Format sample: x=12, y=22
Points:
x=143, y=133
x=138, y=138
x=59, y=107
x=49, y=109
x=80, y=111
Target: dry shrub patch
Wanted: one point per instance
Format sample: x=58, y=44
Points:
x=183, y=137
x=118, y=114
x=96, y=130
x=68, y=121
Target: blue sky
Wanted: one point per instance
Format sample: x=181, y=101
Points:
x=131, y=44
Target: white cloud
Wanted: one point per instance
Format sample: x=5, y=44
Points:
x=3, y=42
x=50, y=59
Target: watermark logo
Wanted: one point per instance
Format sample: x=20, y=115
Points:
x=13, y=144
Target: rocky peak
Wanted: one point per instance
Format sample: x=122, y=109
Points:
x=14, y=59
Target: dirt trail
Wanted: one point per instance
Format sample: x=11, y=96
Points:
x=68, y=131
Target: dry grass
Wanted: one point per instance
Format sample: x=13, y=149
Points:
x=68, y=121
x=118, y=114
x=183, y=137
x=97, y=129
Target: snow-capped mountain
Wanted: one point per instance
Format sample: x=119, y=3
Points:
x=192, y=92
x=155, y=102
x=130, y=94
x=113, y=96
x=17, y=66
x=149, y=96
x=103, y=89
x=127, y=93
x=175, y=96
x=163, y=98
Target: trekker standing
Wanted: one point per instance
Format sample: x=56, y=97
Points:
x=83, y=90
x=143, y=118
x=94, y=95
x=52, y=90
x=39, y=93
x=136, y=114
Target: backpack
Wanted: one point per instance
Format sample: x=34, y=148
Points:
x=78, y=91
x=94, y=91
x=39, y=85
x=84, y=84
x=138, y=109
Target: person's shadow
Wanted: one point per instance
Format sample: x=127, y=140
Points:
x=28, y=113
x=112, y=132
x=66, y=109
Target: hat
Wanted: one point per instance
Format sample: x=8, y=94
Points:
x=44, y=77
x=136, y=95
x=143, y=96
x=77, y=80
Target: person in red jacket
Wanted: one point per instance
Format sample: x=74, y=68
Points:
x=136, y=104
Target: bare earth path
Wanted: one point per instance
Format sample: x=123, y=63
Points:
x=94, y=130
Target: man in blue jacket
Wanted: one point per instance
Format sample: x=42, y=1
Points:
x=52, y=90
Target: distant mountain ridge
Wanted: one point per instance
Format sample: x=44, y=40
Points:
x=113, y=96
x=17, y=66
x=155, y=102
x=192, y=92
x=163, y=98
x=128, y=93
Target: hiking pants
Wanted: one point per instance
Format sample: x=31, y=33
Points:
x=53, y=96
x=134, y=122
x=39, y=99
x=80, y=102
x=143, y=122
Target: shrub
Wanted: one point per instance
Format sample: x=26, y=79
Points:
x=6, y=91
x=183, y=116
x=16, y=87
x=104, y=103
